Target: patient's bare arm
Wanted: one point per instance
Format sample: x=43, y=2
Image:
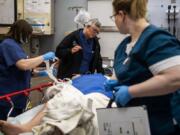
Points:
x=11, y=129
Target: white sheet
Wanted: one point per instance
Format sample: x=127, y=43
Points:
x=99, y=101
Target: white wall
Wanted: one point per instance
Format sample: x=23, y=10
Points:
x=101, y=9
x=63, y=23
x=109, y=42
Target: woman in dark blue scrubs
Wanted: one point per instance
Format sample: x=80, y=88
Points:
x=146, y=65
x=15, y=66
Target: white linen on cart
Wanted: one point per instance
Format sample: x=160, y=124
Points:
x=67, y=110
x=70, y=111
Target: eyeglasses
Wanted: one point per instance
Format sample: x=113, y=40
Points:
x=112, y=17
x=95, y=30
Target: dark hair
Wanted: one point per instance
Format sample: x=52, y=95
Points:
x=136, y=9
x=20, y=30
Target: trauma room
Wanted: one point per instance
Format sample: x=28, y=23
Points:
x=89, y=67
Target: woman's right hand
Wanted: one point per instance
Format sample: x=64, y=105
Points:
x=49, y=56
x=76, y=49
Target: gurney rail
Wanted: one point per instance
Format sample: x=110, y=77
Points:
x=26, y=91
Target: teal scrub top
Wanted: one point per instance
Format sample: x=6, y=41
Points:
x=153, y=46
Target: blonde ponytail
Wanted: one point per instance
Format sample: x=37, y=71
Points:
x=136, y=9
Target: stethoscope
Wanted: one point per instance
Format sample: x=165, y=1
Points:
x=174, y=19
x=169, y=14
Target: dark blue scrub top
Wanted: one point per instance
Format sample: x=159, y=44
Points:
x=11, y=78
x=87, y=46
x=154, y=45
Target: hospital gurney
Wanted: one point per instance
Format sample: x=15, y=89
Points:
x=106, y=123
x=69, y=98
x=71, y=94
x=25, y=92
x=27, y=115
x=40, y=88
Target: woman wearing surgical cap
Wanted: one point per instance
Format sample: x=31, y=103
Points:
x=79, y=52
x=146, y=65
x=15, y=67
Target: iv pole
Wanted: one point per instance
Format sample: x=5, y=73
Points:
x=76, y=8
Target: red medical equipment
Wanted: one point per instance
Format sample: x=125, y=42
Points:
x=25, y=92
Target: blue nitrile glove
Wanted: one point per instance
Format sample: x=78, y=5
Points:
x=110, y=84
x=49, y=56
x=122, y=96
x=42, y=73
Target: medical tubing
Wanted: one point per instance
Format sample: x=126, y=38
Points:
x=11, y=109
x=111, y=102
x=49, y=71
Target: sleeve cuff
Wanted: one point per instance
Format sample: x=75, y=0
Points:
x=165, y=64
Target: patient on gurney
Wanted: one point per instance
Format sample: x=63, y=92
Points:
x=71, y=111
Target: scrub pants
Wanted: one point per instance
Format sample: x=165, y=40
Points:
x=4, y=112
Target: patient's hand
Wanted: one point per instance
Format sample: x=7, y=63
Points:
x=11, y=129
